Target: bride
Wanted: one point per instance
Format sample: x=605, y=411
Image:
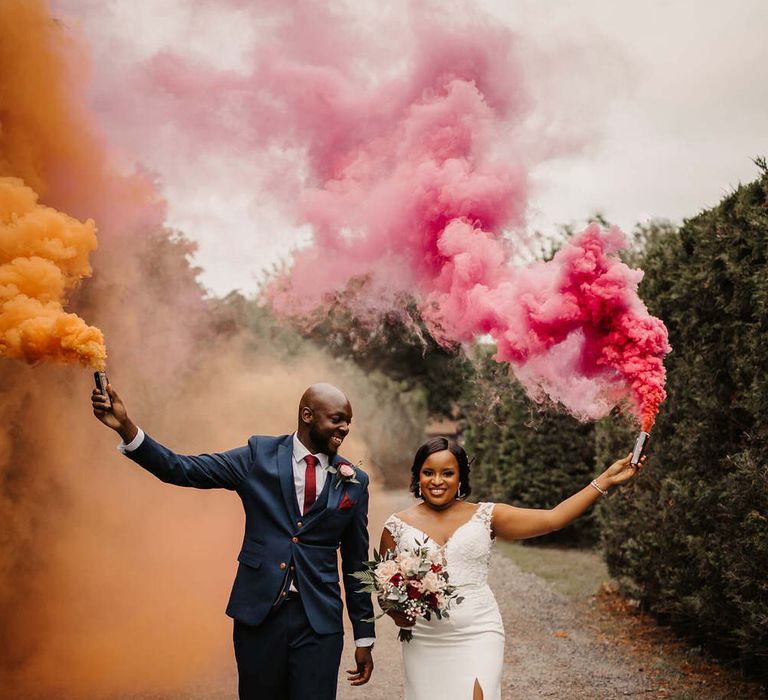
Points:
x=464, y=654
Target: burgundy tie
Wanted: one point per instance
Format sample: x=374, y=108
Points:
x=310, y=488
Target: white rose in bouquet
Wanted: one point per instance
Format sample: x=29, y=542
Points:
x=409, y=563
x=386, y=570
x=431, y=583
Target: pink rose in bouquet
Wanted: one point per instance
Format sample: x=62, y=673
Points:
x=413, y=582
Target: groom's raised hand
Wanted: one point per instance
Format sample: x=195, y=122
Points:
x=364, y=662
x=115, y=415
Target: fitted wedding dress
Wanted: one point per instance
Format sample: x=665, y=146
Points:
x=446, y=658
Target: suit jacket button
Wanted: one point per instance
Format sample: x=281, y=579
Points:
x=283, y=594
x=282, y=564
x=299, y=523
x=294, y=539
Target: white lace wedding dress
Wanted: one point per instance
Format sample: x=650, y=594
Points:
x=446, y=657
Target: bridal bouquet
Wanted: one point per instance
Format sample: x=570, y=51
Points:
x=413, y=582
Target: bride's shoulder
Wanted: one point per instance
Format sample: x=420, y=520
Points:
x=392, y=518
x=414, y=510
x=399, y=516
x=394, y=525
x=484, y=512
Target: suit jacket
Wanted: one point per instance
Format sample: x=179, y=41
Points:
x=280, y=542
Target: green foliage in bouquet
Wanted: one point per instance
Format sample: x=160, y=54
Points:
x=690, y=537
x=393, y=591
x=526, y=454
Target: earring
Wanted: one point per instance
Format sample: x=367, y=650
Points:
x=418, y=492
x=459, y=495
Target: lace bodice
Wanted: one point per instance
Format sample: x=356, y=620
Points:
x=468, y=551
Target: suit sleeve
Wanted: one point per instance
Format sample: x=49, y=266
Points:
x=223, y=470
x=354, y=551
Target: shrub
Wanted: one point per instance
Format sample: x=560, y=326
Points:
x=690, y=538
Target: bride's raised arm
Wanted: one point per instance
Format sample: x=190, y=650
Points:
x=511, y=523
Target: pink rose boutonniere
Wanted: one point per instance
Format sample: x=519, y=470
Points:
x=345, y=473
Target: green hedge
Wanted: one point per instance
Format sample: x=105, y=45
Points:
x=526, y=455
x=690, y=538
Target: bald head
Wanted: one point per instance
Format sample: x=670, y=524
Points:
x=322, y=393
x=324, y=418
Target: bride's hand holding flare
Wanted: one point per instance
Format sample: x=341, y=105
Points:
x=512, y=523
x=621, y=471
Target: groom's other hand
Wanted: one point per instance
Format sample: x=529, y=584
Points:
x=114, y=416
x=364, y=661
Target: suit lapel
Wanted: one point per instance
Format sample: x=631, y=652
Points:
x=285, y=471
x=334, y=497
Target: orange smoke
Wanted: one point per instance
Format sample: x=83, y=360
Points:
x=44, y=128
x=43, y=254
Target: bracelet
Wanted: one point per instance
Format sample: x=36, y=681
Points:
x=594, y=485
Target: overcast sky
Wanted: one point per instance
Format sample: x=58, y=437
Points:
x=673, y=94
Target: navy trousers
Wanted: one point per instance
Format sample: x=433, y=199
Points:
x=284, y=659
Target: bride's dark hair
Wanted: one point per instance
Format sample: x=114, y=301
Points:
x=439, y=444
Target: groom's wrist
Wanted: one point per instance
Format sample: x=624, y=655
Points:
x=128, y=431
x=127, y=447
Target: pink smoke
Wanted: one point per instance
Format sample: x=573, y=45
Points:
x=572, y=328
x=413, y=181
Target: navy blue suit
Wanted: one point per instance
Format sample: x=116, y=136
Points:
x=280, y=544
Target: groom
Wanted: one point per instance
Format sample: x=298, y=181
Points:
x=285, y=600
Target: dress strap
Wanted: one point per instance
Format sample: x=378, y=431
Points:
x=395, y=526
x=484, y=513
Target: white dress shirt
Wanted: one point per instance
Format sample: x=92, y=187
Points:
x=133, y=444
x=299, y=481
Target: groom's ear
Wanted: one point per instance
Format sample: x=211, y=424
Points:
x=306, y=414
